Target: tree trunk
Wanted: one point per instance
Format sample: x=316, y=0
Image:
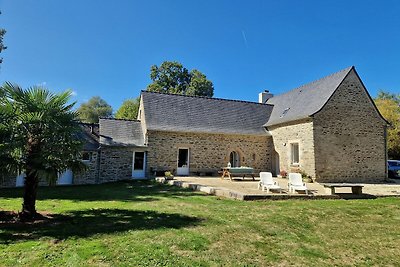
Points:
x=28, y=212
x=30, y=192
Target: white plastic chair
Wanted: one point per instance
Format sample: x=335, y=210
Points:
x=296, y=183
x=267, y=182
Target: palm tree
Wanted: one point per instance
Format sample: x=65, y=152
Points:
x=39, y=136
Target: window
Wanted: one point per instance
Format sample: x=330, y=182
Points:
x=86, y=156
x=234, y=159
x=294, y=153
x=284, y=112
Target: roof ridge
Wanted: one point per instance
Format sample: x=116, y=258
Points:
x=108, y=118
x=211, y=98
x=315, y=81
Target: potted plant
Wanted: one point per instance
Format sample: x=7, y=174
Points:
x=168, y=175
x=283, y=174
x=306, y=178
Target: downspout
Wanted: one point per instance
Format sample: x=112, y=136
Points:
x=386, y=151
x=97, y=175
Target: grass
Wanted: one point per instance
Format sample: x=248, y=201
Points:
x=147, y=224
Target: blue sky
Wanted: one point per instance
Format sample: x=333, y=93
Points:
x=106, y=48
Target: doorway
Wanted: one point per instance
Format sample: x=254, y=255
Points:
x=20, y=180
x=65, y=178
x=183, y=161
x=275, y=163
x=139, y=165
x=234, y=159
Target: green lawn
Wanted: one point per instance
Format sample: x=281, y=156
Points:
x=147, y=224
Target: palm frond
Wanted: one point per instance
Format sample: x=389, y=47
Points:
x=47, y=117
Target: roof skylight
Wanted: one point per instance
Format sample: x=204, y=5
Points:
x=284, y=112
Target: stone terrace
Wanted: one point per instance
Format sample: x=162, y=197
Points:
x=247, y=189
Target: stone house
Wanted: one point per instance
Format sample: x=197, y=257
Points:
x=329, y=129
x=90, y=136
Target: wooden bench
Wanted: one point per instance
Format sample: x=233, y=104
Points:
x=206, y=172
x=330, y=188
x=159, y=170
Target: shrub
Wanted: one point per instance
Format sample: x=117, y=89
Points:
x=168, y=175
x=305, y=176
x=283, y=173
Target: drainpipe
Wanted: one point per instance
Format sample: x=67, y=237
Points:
x=97, y=175
x=386, y=152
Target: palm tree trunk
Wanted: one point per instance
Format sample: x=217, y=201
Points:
x=28, y=212
x=30, y=192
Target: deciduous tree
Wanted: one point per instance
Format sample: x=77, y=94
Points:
x=172, y=77
x=95, y=108
x=2, y=46
x=389, y=106
x=129, y=109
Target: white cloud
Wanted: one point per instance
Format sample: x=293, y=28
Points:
x=244, y=38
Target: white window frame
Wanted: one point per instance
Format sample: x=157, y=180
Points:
x=293, y=161
x=90, y=156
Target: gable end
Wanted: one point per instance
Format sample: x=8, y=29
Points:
x=353, y=70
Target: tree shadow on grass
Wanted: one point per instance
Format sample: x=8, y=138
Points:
x=86, y=223
x=121, y=191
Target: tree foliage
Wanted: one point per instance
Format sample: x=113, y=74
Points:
x=2, y=46
x=38, y=136
x=129, y=109
x=92, y=110
x=389, y=106
x=172, y=77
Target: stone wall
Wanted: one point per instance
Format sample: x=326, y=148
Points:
x=300, y=132
x=207, y=151
x=89, y=176
x=86, y=177
x=115, y=164
x=8, y=181
x=350, y=137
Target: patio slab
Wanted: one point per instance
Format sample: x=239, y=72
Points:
x=246, y=189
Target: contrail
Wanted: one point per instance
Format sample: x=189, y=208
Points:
x=244, y=38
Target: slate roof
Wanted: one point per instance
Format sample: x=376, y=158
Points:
x=305, y=100
x=115, y=132
x=169, y=112
x=89, y=135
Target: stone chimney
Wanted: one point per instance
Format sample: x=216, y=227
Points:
x=264, y=96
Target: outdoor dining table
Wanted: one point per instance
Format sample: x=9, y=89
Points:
x=237, y=171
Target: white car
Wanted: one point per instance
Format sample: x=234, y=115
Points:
x=394, y=168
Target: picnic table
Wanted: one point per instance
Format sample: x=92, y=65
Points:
x=237, y=171
x=330, y=187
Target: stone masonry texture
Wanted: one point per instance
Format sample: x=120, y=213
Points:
x=207, y=151
x=85, y=177
x=89, y=176
x=300, y=132
x=8, y=181
x=349, y=137
x=115, y=164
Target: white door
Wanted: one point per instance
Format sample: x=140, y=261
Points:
x=65, y=178
x=20, y=180
x=139, y=165
x=183, y=161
